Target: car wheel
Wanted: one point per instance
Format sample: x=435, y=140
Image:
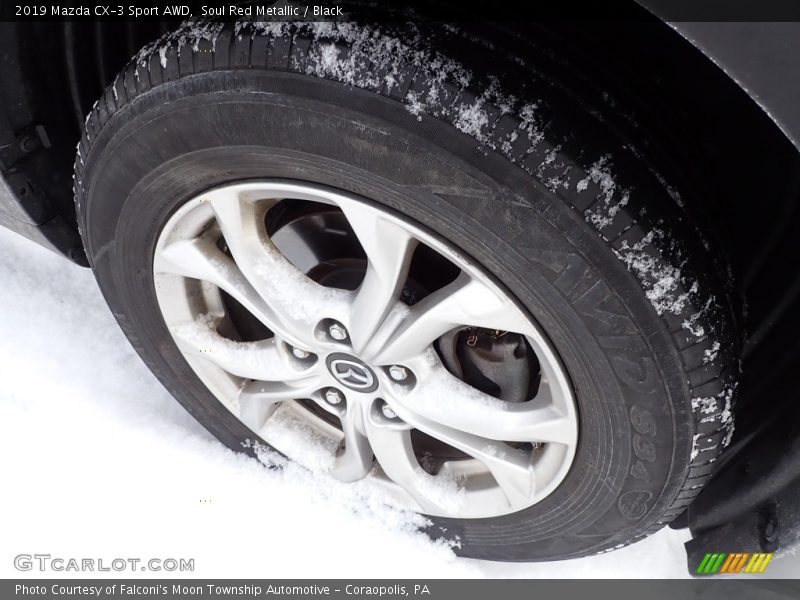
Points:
x=337, y=242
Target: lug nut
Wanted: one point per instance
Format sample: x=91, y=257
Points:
x=337, y=332
x=398, y=373
x=333, y=397
x=301, y=354
x=388, y=412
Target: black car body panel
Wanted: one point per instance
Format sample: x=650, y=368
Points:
x=762, y=58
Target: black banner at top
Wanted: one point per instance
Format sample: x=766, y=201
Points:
x=430, y=10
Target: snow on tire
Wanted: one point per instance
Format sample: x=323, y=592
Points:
x=507, y=165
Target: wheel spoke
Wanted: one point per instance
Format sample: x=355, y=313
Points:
x=356, y=460
x=465, y=301
x=511, y=468
x=299, y=301
x=447, y=400
x=200, y=258
x=262, y=360
x=395, y=455
x=259, y=399
x=389, y=248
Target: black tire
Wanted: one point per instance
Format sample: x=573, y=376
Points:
x=577, y=226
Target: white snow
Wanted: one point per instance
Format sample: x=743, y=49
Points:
x=726, y=417
x=295, y=436
x=709, y=409
x=297, y=295
x=414, y=105
x=472, y=119
x=191, y=33
x=444, y=395
x=105, y=464
x=691, y=324
x=695, y=449
x=660, y=279
x=710, y=354
x=603, y=214
x=444, y=490
x=706, y=406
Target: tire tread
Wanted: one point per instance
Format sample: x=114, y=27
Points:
x=166, y=60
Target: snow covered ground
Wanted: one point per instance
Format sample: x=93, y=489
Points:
x=99, y=461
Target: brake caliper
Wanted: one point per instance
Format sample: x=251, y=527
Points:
x=498, y=363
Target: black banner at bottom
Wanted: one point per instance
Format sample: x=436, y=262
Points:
x=436, y=589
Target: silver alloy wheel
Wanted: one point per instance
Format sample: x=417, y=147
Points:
x=362, y=356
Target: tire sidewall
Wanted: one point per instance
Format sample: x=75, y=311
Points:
x=182, y=138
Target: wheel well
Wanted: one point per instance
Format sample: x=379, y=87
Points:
x=742, y=174
x=645, y=79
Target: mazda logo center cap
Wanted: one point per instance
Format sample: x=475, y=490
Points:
x=351, y=372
